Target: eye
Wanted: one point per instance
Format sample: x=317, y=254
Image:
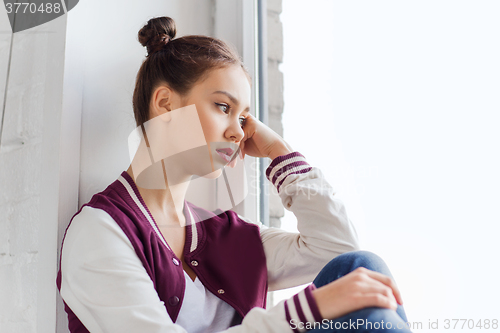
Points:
x=221, y=106
x=226, y=109
x=242, y=121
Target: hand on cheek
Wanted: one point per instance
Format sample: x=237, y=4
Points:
x=261, y=141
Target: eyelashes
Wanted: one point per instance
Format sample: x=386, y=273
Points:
x=224, y=106
x=228, y=110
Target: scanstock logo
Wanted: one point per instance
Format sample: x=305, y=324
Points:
x=24, y=14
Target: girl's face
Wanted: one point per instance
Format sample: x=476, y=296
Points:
x=222, y=100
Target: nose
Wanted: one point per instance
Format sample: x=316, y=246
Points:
x=235, y=132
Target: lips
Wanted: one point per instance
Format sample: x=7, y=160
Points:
x=225, y=153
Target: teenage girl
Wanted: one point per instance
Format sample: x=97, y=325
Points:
x=139, y=259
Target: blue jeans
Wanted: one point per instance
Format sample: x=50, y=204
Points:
x=371, y=319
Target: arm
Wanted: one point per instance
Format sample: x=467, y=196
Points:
x=325, y=230
x=107, y=287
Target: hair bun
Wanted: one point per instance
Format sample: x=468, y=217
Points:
x=157, y=33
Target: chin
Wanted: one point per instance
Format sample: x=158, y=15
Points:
x=216, y=174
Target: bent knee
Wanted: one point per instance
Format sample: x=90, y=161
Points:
x=361, y=258
x=359, y=255
x=347, y=262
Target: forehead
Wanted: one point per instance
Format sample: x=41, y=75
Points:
x=231, y=79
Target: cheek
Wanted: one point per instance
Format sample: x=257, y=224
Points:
x=204, y=121
x=211, y=128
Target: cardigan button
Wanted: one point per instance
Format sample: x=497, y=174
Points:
x=194, y=263
x=176, y=262
x=220, y=291
x=174, y=300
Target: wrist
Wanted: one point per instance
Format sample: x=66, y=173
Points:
x=283, y=149
x=316, y=295
x=302, y=310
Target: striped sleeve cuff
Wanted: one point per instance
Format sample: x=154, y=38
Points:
x=282, y=166
x=302, y=311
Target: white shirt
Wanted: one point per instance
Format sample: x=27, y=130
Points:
x=202, y=311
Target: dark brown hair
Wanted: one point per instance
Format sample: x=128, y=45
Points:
x=179, y=63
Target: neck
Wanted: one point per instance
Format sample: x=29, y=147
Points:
x=170, y=200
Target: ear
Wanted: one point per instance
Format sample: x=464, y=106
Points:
x=161, y=101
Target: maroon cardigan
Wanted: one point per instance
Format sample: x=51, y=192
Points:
x=228, y=256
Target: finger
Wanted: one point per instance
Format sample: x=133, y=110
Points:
x=241, y=150
x=387, y=280
x=380, y=300
x=373, y=286
x=369, y=285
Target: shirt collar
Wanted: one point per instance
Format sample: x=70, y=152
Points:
x=133, y=191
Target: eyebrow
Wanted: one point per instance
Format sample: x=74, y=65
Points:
x=232, y=98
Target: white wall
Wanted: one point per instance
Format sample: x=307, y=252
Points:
x=31, y=72
x=397, y=102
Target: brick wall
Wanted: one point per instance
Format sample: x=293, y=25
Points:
x=30, y=109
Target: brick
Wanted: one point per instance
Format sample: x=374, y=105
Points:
x=4, y=230
x=274, y=222
x=25, y=224
x=275, y=123
x=18, y=312
x=274, y=37
x=20, y=176
x=274, y=6
x=276, y=110
x=275, y=86
x=26, y=88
